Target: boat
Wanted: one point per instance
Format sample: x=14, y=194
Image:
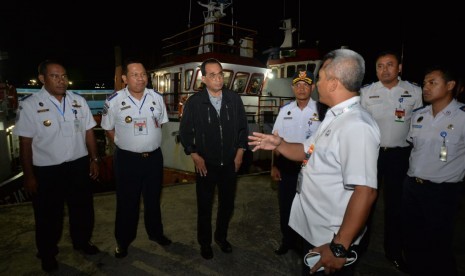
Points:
x=285, y=61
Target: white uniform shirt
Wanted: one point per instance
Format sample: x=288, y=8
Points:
x=137, y=124
x=296, y=125
x=392, y=109
x=425, y=134
x=58, y=129
x=346, y=148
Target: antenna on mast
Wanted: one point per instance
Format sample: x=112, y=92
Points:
x=190, y=13
x=298, y=29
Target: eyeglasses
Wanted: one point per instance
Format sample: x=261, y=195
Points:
x=136, y=76
x=214, y=76
x=57, y=77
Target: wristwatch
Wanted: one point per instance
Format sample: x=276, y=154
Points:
x=338, y=250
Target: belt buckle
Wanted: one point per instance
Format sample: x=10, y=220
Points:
x=419, y=180
x=145, y=154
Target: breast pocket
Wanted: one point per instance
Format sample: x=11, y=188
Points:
x=375, y=107
x=290, y=127
x=453, y=144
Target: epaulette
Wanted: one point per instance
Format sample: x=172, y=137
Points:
x=365, y=85
x=112, y=95
x=287, y=103
x=76, y=93
x=159, y=93
x=413, y=83
x=25, y=97
x=462, y=108
x=418, y=108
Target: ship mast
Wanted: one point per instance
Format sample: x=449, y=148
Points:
x=215, y=11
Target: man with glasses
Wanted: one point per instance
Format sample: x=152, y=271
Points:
x=59, y=158
x=296, y=122
x=213, y=131
x=132, y=118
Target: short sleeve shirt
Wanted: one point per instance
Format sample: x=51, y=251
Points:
x=296, y=125
x=429, y=134
x=137, y=123
x=346, y=148
x=392, y=109
x=58, y=129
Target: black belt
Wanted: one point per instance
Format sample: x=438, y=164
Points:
x=393, y=148
x=138, y=154
x=420, y=180
x=424, y=181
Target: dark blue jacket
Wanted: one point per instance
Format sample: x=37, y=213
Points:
x=215, y=138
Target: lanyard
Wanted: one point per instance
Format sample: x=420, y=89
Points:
x=143, y=101
x=62, y=112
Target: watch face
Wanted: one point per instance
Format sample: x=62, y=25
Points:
x=338, y=250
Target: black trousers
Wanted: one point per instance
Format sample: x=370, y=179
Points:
x=68, y=182
x=286, y=193
x=429, y=214
x=137, y=174
x=392, y=168
x=225, y=178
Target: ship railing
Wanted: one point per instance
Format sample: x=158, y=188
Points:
x=214, y=36
x=260, y=109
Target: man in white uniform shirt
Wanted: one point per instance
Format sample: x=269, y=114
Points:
x=58, y=157
x=391, y=101
x=296, y=122
x=337, y=185
x=132, y=118
x=432, y=190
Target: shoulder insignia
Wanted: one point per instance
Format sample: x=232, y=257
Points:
x=157, y=92
x=419, y=108
x=462, y=108
x=112, y=95
x=25, y=97
x=288, y=103
x=412, y=83
x=366, y=85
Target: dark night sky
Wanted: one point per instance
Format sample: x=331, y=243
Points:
x=84, y=36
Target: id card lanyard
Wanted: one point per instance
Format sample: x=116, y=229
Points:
x=443, y=152
x=312, y=146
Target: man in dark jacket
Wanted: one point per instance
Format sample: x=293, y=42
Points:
x=214, y=132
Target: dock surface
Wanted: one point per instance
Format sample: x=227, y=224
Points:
x=254, y=234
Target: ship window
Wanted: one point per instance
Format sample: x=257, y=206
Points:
x=255, y=84
x=311, y=67
x=290, y=71
x=155, y=82
x=165, y=84
x=274, y=71
x=240, y=82
x=198, y=85
x=227, y=78
x=188, y=79
x=301, y=67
